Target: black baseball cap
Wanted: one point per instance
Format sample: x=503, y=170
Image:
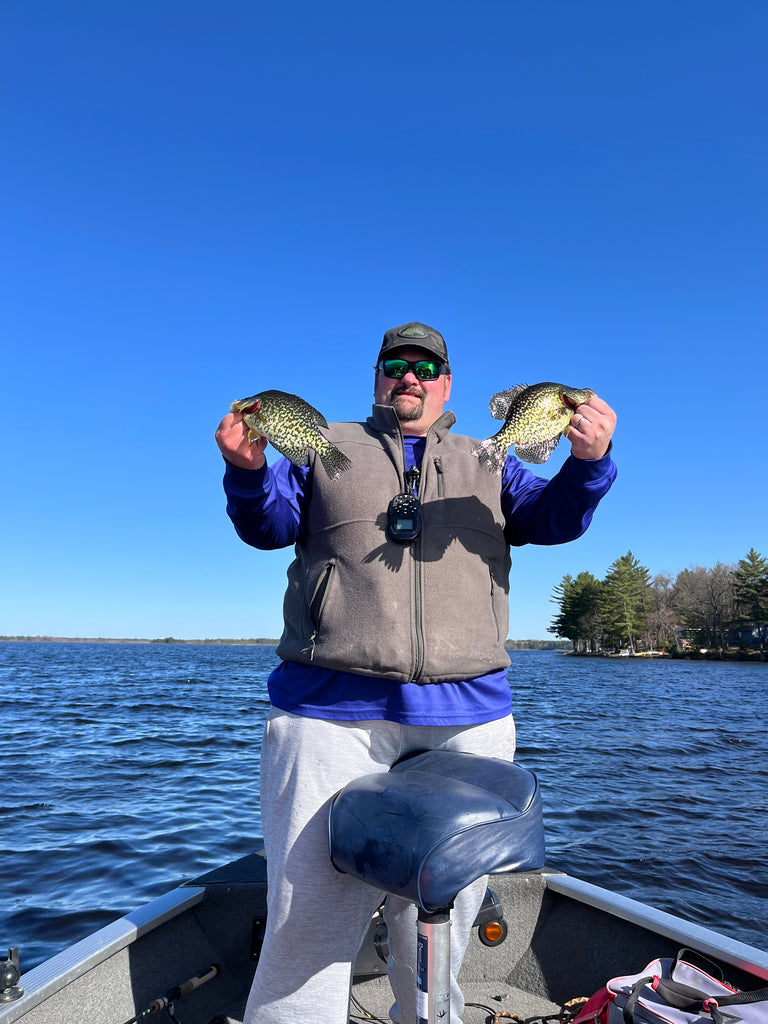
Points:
x=414, y=335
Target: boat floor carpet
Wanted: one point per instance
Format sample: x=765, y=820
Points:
x=372, y=999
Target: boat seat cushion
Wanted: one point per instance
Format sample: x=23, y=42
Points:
x=436, y=822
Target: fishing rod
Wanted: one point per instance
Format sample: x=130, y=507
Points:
x=167, y=1001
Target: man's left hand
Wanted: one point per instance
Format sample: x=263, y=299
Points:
x=591, y=429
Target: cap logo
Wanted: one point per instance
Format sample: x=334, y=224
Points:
x=412, y=332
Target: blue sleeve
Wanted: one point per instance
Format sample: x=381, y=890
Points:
x=266, y=505
x=553, y=511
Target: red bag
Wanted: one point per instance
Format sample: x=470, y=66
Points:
x=595, y=1010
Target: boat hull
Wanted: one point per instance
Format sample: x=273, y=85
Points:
x=565, y=939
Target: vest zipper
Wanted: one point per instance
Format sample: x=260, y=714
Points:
x=411, y=479
x=418, y=626
x=418, y=631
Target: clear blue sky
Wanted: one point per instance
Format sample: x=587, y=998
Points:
x=206, y=199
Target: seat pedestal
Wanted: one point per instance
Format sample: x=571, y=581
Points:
x=433, y=967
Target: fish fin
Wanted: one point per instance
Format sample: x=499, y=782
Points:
x=334, y=461
x=501, y=401
x=253, y=435
x=537, y=453
x=315, y=416
x=298, y=454
x=491, y=454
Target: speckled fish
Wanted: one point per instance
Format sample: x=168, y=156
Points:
x=536, y=417
x=290, y=425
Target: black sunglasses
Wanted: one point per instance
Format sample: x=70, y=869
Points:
x=424, y=369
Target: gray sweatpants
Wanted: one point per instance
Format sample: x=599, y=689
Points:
x=317, y=918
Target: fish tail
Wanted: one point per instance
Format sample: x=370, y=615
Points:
x=491, y=454
x=334, y=461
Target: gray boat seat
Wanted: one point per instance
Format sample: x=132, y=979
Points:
x=435, y=823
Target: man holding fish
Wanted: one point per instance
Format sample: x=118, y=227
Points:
x=396, y=613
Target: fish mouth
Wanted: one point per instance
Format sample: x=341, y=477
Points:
x=245, y=406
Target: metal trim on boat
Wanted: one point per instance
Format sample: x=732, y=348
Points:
x=81, y=957
x=711, y=943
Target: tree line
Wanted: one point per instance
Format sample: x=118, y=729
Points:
x=725, y=606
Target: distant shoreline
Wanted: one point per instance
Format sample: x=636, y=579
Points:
x=259, y=642
x=512, y=645
x=732, y=654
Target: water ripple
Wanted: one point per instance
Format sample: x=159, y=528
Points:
x=131, y=767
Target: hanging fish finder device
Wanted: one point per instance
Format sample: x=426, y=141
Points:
x=404, y=518
x=404, y=512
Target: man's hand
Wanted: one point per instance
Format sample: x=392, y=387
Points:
x=591, y=429
x=232, y=439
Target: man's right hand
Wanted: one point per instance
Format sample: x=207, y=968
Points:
x=232, y=439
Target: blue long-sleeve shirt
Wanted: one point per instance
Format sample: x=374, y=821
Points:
x=266, y=507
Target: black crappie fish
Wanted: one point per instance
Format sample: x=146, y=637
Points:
x=290, y=425
x=536, y=417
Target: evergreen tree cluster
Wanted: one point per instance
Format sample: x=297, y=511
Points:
x=627, y=610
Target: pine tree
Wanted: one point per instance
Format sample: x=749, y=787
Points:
x=586, y=608
x=751, y=592
x=563, y=625
x=625, y=591
x=580, y=620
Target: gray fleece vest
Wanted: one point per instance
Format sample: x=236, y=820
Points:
x=432, y=610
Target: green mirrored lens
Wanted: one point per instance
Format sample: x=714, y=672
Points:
x=425, y=369
x=395, y=368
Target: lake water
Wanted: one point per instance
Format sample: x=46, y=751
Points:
x=127, y=768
